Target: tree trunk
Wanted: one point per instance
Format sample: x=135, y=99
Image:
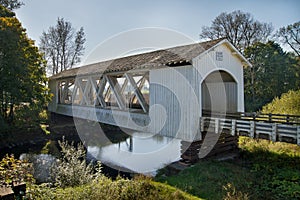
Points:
x=11, y=113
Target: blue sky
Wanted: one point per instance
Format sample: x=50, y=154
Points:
x=102, y=19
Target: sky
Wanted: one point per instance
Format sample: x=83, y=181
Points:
x=103, y=19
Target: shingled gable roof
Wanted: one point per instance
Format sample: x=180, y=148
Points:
x=156, y=59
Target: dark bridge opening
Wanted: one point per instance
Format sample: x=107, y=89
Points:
x=219, y=93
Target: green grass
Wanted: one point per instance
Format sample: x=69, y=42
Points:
x=265, y=170
x=211, y=180
x=104, y=188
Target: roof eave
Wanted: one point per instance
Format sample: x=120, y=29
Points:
x=226, y=42
x=238, y=53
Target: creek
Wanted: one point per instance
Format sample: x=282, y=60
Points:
x=121, y=152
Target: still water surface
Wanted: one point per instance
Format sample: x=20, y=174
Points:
x=140, y=152
x=133, y=153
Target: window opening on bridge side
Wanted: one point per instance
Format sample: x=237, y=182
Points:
x=78, y=91
x=121, y=91
x=65, y=91
x=138, y=90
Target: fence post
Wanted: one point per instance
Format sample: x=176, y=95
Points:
x=201, y=124
x=274, y=132
x=270, y=117
x=217, y=123
x=233, y=127
x=252, y=129
x=298, y=135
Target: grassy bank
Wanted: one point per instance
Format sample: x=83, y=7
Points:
x=104, y=188
x=264, y=170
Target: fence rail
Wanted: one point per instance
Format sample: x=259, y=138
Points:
x=270, y=130
x=256, y=116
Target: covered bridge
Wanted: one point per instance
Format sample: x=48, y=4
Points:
x=162, y=92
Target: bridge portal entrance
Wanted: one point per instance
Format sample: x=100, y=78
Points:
x=219, y=93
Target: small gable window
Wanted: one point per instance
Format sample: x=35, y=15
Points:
x=219, y=56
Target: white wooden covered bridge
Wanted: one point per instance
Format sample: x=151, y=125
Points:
x=165, y=92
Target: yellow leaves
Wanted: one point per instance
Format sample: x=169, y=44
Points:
x=11, y=24
x=14, y=170
x=288, y=103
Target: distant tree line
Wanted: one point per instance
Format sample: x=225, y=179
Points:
x=274, y=71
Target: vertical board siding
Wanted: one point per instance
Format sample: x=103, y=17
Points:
x=177, y=91
x=222, y=95
x=231, y=97
x=179, y=105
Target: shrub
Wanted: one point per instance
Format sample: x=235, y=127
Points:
x=14, y=171
x=72, y=169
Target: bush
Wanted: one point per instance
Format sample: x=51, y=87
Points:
x=72, y=169
x=14, y=171
x=4, y=126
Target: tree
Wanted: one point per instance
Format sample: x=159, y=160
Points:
x=11, y=4
x=62, y=46
x=239, y=28
x=22, y=68
x=273, y=73
x=290, y=35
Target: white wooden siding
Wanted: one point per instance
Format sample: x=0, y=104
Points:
x=206, y=64
x=177, y=91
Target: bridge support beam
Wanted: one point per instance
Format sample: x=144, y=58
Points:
x=208, y=147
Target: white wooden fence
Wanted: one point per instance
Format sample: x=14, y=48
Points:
x=273, y=131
